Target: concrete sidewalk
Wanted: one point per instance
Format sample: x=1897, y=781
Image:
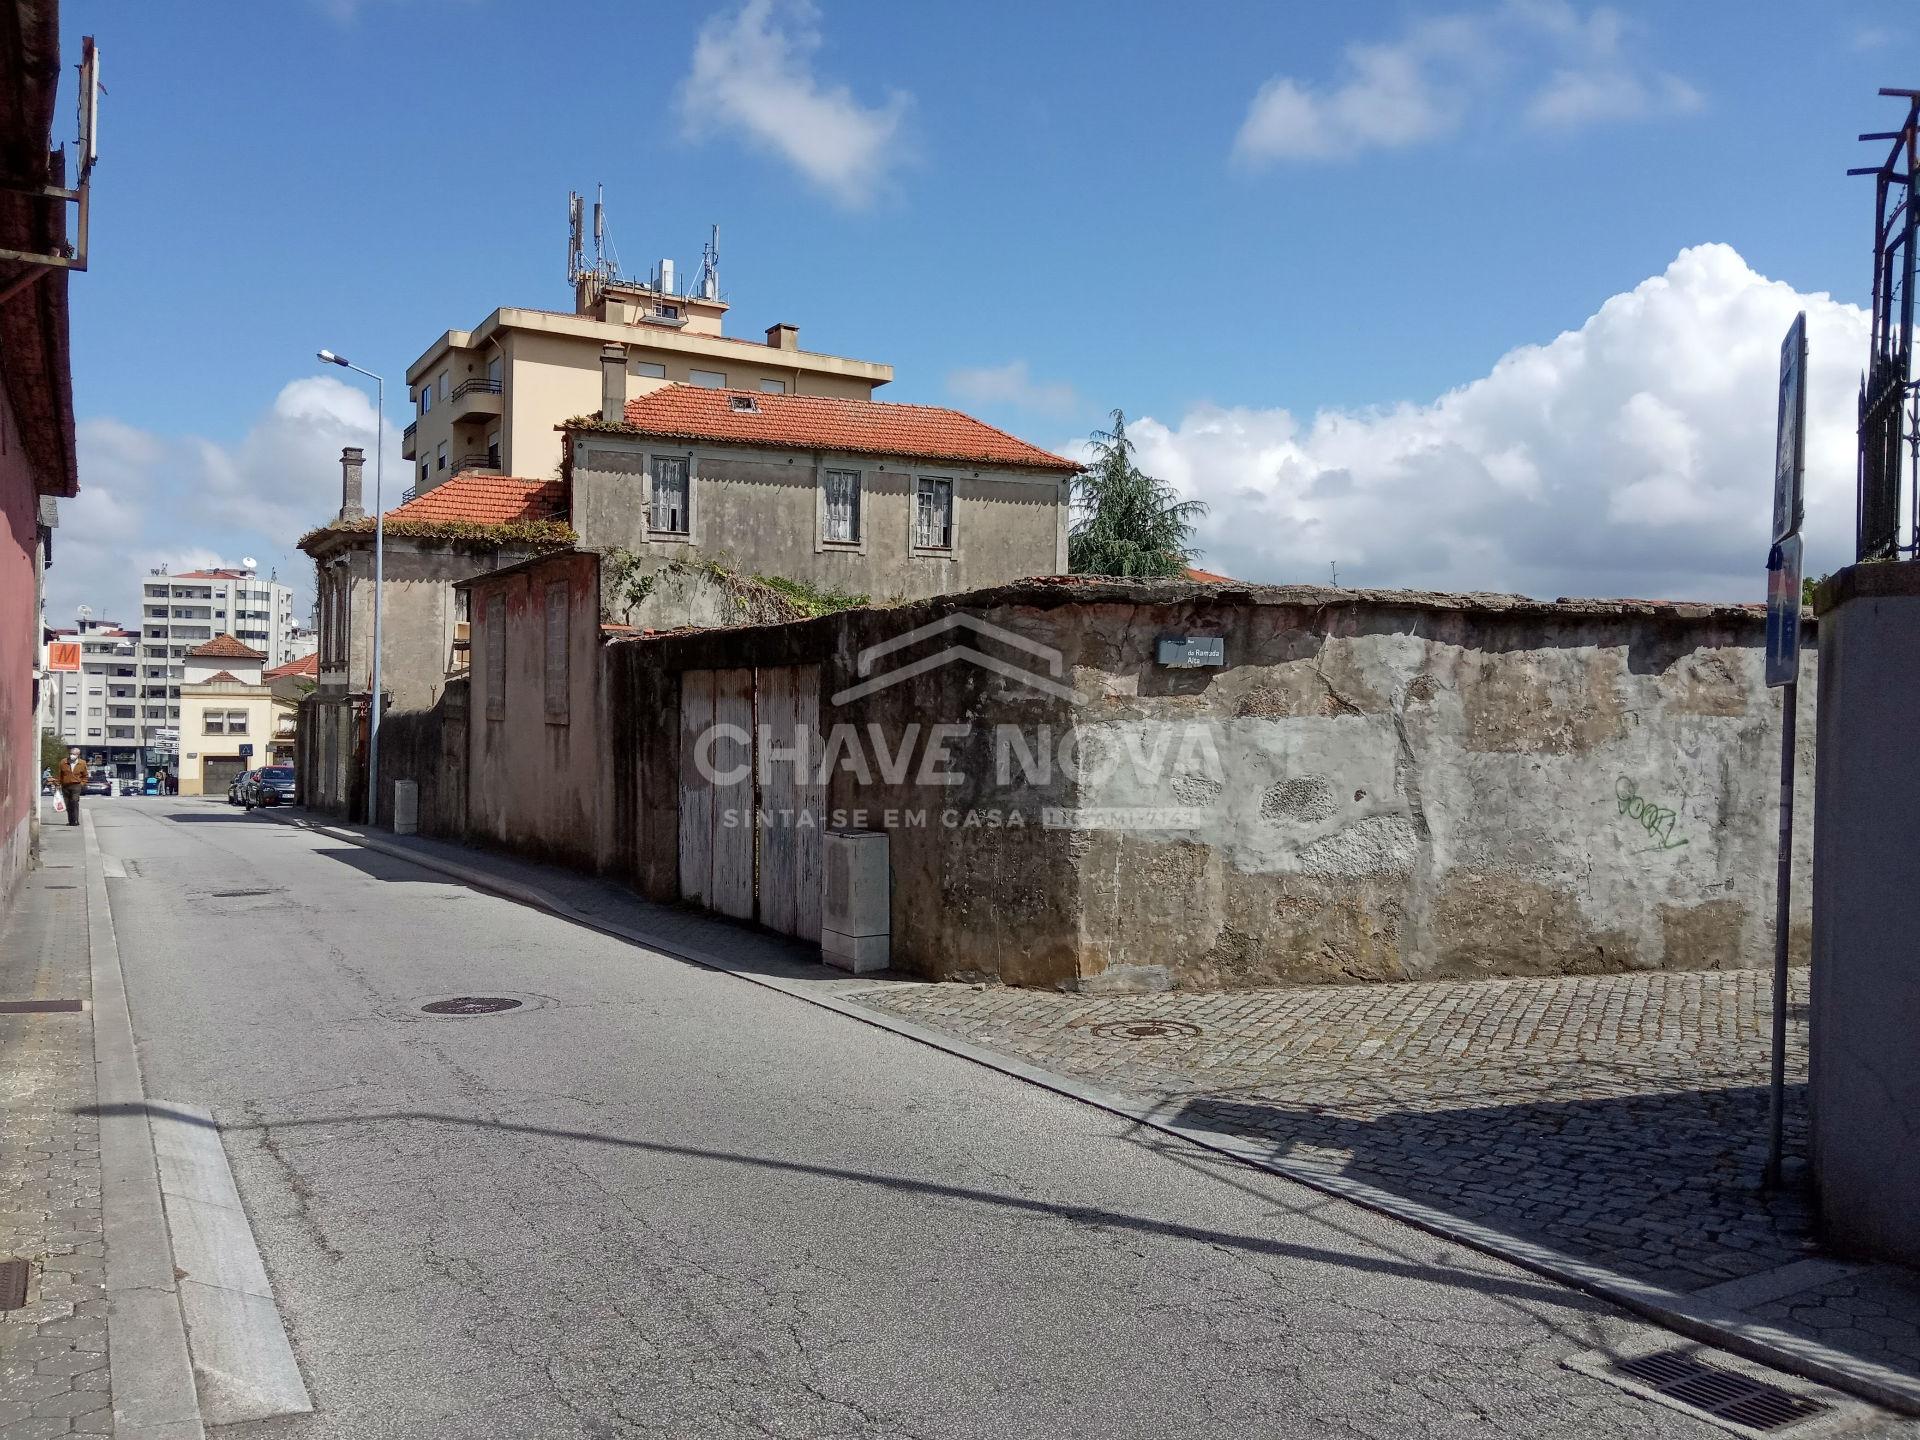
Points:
x=1595, y=1130
x=53, y=1351
x=99, y=1346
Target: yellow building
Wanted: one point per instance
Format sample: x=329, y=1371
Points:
x=230, y=717
x=488, y=399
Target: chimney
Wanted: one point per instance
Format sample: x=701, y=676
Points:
x=351, y=459
x=784, y=337
x=613, y=383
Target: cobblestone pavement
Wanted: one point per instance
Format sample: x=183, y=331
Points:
x=53, y=1352
x=1618, y=1118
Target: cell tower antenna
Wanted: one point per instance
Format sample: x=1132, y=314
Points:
x=710, y=267
x=600, y=228
x=576, y=259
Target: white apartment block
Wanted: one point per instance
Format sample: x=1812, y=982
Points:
x=97, y=708
x=178, y=612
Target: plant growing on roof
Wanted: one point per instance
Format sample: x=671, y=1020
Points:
x=1127, y=522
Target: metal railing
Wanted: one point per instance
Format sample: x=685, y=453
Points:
x=406, y=435
x=1889, y=393
x=486, y=460
x=476, y=386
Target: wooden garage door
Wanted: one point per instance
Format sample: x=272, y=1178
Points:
x=750, y=847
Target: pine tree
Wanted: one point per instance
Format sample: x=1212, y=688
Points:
x=1128, y=522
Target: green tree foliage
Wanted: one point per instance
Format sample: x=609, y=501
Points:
x=52, y=750
x=1127, y=522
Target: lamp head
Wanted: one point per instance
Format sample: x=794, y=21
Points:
x=332, y=359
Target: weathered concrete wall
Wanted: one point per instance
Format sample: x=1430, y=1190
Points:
x=537, y=766
x=1865, y=1011
x=761, y=512
x=1379, y=785
x=418, y=616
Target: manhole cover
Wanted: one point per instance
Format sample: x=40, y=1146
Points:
x=471, y=1005
x=1147, y=1030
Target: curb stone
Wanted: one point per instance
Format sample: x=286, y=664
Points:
x=153, y=1391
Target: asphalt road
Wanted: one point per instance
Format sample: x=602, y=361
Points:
x=659, y=1201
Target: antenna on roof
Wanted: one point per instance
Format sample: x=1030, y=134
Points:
x=576, y=260
x=710, y=267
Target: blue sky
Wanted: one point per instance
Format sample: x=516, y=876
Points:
x=1276, y=223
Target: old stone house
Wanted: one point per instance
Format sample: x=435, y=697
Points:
x=860, y=497
x=471, y=524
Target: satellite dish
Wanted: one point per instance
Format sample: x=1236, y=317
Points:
x=86, y=612
x=250, y=563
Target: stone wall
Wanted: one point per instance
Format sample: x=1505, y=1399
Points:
x=1375, y=785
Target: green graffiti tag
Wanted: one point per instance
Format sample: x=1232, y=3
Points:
x=1657, y=820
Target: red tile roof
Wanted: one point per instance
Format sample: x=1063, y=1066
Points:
x=212, y=575
x=308, y=664
x=223, y=677
x=484, y=500
x=224, y=647
x=820, y=422
x=1207, y=576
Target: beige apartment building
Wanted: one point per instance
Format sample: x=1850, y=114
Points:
x=489, y=399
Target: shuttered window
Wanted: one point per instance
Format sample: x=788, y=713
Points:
x=843, y=506
x=933, y=515
x=671, y=511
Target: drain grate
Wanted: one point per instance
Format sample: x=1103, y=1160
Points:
x=1147, y=1030
x=13, y=1284
x=472, y=1005
x=40, y=1007
x=1723, y=1394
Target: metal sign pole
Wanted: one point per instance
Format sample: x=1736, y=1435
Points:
x=1782, y=912
x=1783, y=674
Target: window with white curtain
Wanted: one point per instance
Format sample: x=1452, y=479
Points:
x=843, y=506
x=671, y=508
x=933, y=515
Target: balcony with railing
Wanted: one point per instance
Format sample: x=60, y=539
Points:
x=476, y=399
x=406, y=440
x=488, y=459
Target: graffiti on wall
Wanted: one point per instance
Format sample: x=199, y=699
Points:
x=1657, y=820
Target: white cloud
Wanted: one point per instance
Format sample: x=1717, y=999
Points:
x=752, y=75
x=1424, y=84
x=1011, y=384
x=185, y=502
x=1632, y=457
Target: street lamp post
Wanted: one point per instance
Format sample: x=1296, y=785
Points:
x=379, y=578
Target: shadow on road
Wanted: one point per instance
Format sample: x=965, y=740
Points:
x=1438, y=1272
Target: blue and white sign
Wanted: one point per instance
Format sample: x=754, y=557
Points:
x=1783, y=612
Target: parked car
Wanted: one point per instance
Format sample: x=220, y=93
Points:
x=97, y=784
x=270, y=785
x=237, y=791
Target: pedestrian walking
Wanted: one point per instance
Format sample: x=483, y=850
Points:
x=71, y=777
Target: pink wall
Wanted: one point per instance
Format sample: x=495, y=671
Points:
x=19, y=648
